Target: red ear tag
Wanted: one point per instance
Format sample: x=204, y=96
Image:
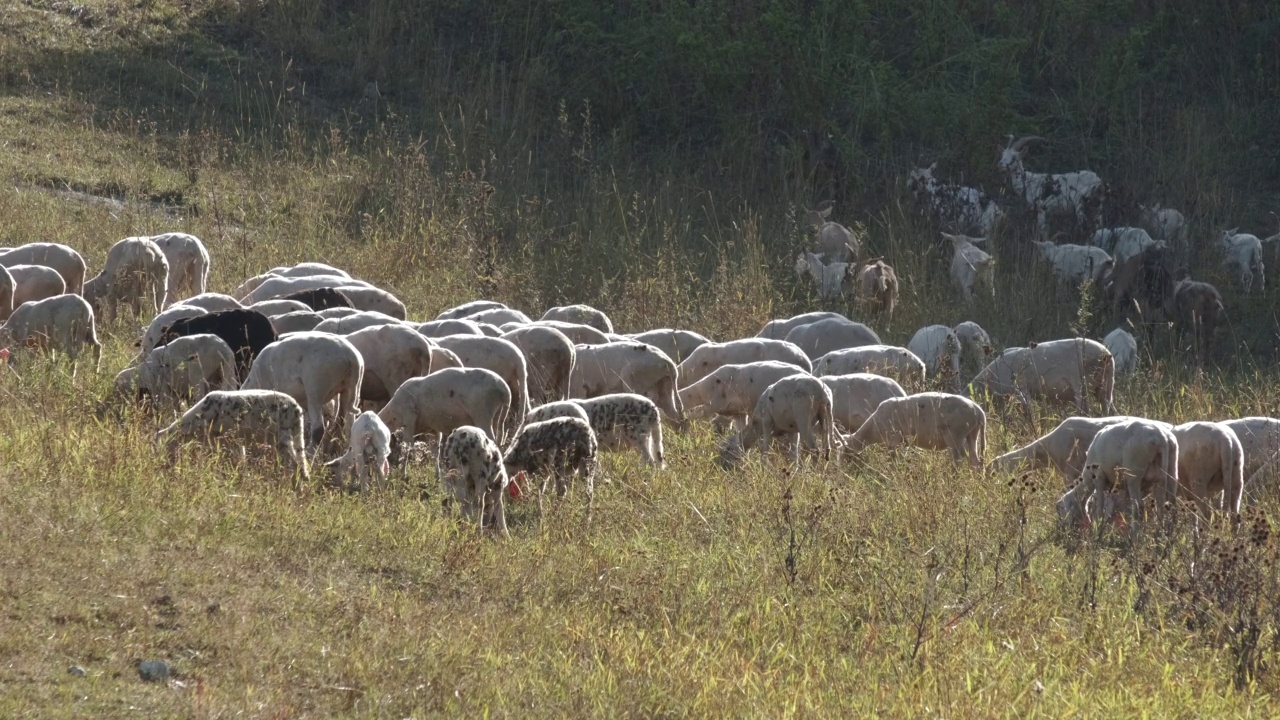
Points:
x=513, y=487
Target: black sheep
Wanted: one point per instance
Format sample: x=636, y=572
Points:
x=320, y=299
x=247, y=332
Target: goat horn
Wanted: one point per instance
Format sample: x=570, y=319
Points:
x=1021, y=143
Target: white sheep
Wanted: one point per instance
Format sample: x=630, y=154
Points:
x=706, y=358
x=161, y=322
x=499, y=316
x=372, y=299
x=558, y=408
x=188, y=265
x=1062, y=448
x=887, y=360
x=970, y=266
x=626, y=420
x=1136, y=457
x=35, y=282
x=939, y=348
x=135, y=268
x=67, y=262
x=442, y=328
x=1074, y=264
x=1260, y=439
x=392, y=354
x=291, y=322
x=1122, y=243
x=187, y=368
x=856, y=395
x=312, y=368
x=308, y=269
x=578, y=334
x=63, y=322
x=780, y=328
x=1124, y=348
x=550, y=357
x=276, y=286
x=732, y=391
x=956, y=207
x=1078, y=194
x=502, y=357
x=1210, y=461
x=627, y=367
x=564, y=447
x=441, y=358
x=213, y=302
x=677, y=344
x=271, y=308
x=1244, y=253
x=975, y=347
x=1069, y=370
x=352, y=322
x=581, y=314
x=367, y=452
x=468, y=309
x=792, y=407
x=473, y=474
x=445, y=400
x=7, y=286
x=825, y=336
x=930, y=420
x=251, y=416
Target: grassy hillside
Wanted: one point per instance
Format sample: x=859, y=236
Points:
x=648, y=160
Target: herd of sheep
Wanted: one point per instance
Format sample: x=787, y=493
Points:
x=310, y=362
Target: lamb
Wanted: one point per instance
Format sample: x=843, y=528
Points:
x=1122, y=243
x=392, y=354
x=580, y=314
x=780, y=328
x=1210, y=461
x=856, y=395
x=626, y=420
x=505, y=359
x=367, y=453
x=970, y=266
x=1244, y=253
x=887, y=360
x=468, y=309
x=564, y=447
x=559, y=408
x=186, y=369
x=1141, y=454
x=300, y=321
x=975, y=347
x=1064, y=370
x=627, y=367
x=1062, y=448
x=6, y=293
x=272, y=308
x=793, y=406
x=135, y=267
x=550, y=357
x=833, y=279
x=579, y=334
x=160, y=323
x=356, y=321
x=188, y=265
x=251, y=416
x=1163, y=223
x=938, y=347
x=444, y=328
x=473, y=474
x=35, y=282
x=878, y=288
x=675, y=344
x=246, y=331
x=1124, y=348
x=930, y=420
x=317, y=299
x=66, y=261
x=1195, y=307
x=444, y=401
x=1074, y=264
x=732, y=391
x=706, y=358
x=954, y=206
x=836, y=243
x=312, y=368
x=1077, y=193
x=62, y=322
x=1260, y=439
x=826, y=336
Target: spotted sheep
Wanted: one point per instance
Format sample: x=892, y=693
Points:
x=473, y=474
x=563, y=447
x=248, y=416
x=626, y=420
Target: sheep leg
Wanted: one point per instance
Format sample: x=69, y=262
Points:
x=315, y=422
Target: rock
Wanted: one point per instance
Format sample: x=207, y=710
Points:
x=153, y=670
x=77, y=671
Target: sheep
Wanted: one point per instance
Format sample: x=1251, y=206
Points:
x=1210, y=460
x=300, y=321
x=970, y=266
x=581, y=314
x=213, y=302
x=1163, y=223
x=836, y=243
x=825, y=336
x=1074, y=264
x=336, y=312
x=1141, y=454
x=1260, y=439
x=308, y=269
x=626, y=420
x=392, y=354
x=930, y=420
x=1122, y=243
x=498, y=316
x=443, y=401
x=63, y=322
x=1195, y=307
x=443, y=328
x=793, y=406
x=247, y=332
x=550, y=357
x=627, y=367
x=188, y=265
x=975, y=347
x=856, y=395
x=1065, y=370
x=1077, y=193
x=471, y=308
x=706, y=358
x=877, y=287
x=6, y=293
x=558, y=408
x=887, y=360
x=317, y=299
x=358, y=320
x=833, y=279
x=251, y=416
x=372, y=299
x=780, y=328
x=186, y=369
x=272, y=308
x=579, y=334
x=473, y=474
x=67, y=262
x=135, y=267
x=1244, y=253
x=161, y=322
x=312, y=368
x=282, y=287
x=368, y=452
x=1124, y=348
x=731, y=391
x=938, y=347
x=676, y=344
x=564, y=447
x=441, y=358
x=35, y=282
x=953, y=206
x=502, y=357
x=1062, y=448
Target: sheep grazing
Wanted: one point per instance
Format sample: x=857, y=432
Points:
x=1122, y=243
x=732, y=391
x=559, y=408
x=1260, y=439
x=887, y=360
x=300, y=321
x=1243, y=254
x=938, y=347
x=251, y=416
x=63, y=322
x=316, y=299
x=1078, y=194
x=836, y=243
x=704, y=360
x=878, y=289
x=578, y=334
x=392, y=354
x=135, y=268
x=1196, y=307
x=955, y=207
x=856, y=395
x=792, y=407
x=833, y=279
x=372, y=299
x=283, y=287
x=160, y=323
x=676, y=344
x=367, y=453
x=563, y=447
x=826, y=336
x=472, y=473
x=212, y=302
x=186, y=369
x=627, y=367
x=188, y=265
x=505, y=359
x=247, y=332
x=1210, y=461
x=550, y=357
x=358, y=320
x=1124, y=348
x=1074, y=264
x=272, y=308
x=7, y=286
x=65, y=261
x=1136, y=456
x=336, y=312
x=623, y=420
x=1070, y=370
x=1163, y=223
x=930, y=420
x=35, y=282
x=580, y=314
x=468, y=309
x=443, y=401
x=1062, y=448
x=975, y=347
x=780, y=328
x=443, y=328
x=308, y=269
x=970, y=266
x=312, y=368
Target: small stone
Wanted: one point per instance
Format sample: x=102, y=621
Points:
x=153, y=670
x=77, y=671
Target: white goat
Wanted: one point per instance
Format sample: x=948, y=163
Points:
x=956, y=207
x=1244, y=253
x=970, y=266
x=1073, y=264
x=1122, y=243
x=1077, y=193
